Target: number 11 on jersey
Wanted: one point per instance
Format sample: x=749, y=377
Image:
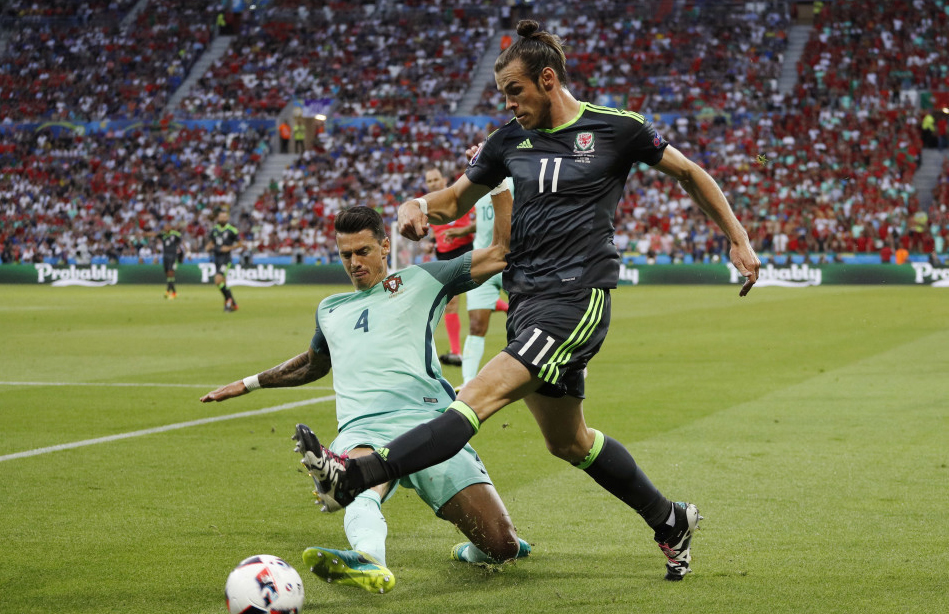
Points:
x=543, y=171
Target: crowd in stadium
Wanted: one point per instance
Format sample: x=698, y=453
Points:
x=619, y=57
x=25, y=11
x=382, y=67
x=80, y=197
x=371, y=165
x=76, y=72
x=827, y=169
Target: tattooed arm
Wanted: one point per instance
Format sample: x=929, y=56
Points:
x=303, y=369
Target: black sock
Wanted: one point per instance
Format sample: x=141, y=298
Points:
x=615, y=470
x=419, y=448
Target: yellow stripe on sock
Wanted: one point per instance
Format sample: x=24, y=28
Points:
x=598, y=440
x=462, y=408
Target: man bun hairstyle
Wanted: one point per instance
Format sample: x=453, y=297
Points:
x=537, y=50
x=359, y=218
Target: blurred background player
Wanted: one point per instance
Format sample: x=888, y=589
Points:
x=171, y=254
x=486, y=298
x=448, y=246
x=223, y=239
x=389, y=390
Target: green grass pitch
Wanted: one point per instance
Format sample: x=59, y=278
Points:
x=811, y=426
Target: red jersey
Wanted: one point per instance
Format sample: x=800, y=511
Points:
x=442, y=244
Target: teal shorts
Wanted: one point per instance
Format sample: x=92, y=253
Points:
x=435, y=485
x=486, y=295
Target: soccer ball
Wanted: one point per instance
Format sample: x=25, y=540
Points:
x=264, y=584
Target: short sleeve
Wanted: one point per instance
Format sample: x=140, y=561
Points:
x=643, y=142
x=318, y=343
x=454, y=274
x=487, y=167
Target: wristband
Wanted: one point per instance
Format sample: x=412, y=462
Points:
x=423, y=205
x=501, y=187
x=252, y=383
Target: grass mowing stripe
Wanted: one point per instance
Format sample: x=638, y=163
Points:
x=163, y=429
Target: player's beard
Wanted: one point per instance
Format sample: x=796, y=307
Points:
x=542, y=116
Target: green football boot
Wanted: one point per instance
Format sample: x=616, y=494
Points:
x=349, y=567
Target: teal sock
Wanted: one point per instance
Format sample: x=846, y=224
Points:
x=365, y=525
x=472, y=554
x=471, y=357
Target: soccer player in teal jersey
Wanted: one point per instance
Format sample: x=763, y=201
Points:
x=388, y=379
x=223, y=239
x=569, y=161
x=485, y=299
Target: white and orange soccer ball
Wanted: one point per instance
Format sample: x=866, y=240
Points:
x=264, y=584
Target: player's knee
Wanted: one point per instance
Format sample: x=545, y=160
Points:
x=572, y=451
x=478, y=321
x=502, y=545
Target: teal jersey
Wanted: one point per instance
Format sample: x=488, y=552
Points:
x=484, y=218
x=380, y=341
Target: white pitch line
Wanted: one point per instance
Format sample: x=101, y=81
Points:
x=163, y=429
x=141, y=384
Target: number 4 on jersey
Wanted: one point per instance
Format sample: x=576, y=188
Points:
x=363, y=321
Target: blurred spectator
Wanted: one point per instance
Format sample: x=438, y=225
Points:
x=630, y=55
x=285, y=134
x=99, y=193
x=384, y=64
x=77, y=73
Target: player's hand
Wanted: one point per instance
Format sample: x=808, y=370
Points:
x=413, y=224
x=746, y=261
x=454, y=233
x=234, y=389
x=472, y=151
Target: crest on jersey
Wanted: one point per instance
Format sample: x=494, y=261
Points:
x=584, y=143
x=656, y=142
x=392, y=283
